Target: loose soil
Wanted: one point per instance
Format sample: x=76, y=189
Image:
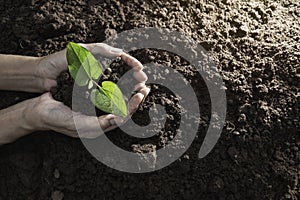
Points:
x=256, y=47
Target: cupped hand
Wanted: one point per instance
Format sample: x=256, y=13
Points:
x=45, y=113
x=51, y=66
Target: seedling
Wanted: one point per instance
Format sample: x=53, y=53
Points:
x=86, y=70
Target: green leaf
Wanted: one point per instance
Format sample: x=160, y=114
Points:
x=109, y=98
x=85, y=68
x=77, y=57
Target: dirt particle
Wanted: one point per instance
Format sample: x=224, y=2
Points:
x=236, y=133
x=56, y=174
x=278, y=155
x=232, y=152
x=57, y=195
x=216, y=184
x=242, y=118
x=242, y=31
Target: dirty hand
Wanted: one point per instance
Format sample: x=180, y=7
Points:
x=52, y=65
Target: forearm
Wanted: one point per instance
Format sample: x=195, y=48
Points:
x=19, y=73
x=13, y=123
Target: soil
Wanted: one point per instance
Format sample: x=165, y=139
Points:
x=256, y=47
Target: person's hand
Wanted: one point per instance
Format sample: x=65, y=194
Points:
x=45, y=113
x=51, y=66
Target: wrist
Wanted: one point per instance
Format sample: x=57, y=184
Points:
x=20, y=73
x=45, y=75
x=14, y=122
x=31, y=115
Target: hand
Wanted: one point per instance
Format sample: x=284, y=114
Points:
x=45, y=113
x=51, y=66
x=32, y=74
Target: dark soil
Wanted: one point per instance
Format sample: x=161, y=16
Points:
x=256, y=46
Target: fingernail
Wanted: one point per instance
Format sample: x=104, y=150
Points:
x=147, y=93
x=140, y=76
x=139, y=86
x=148, y=89
x=116, y=50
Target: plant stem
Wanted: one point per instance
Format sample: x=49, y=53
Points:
x=99, y=87
x=96, y=83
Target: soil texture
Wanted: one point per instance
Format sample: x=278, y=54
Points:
x=256, y=47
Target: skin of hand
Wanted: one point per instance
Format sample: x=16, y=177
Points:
x=51, y=66
x=20, y=73
x=45, y=113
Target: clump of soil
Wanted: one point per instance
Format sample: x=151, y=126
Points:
x=64, y=89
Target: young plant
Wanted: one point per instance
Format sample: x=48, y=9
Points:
x=86, y=70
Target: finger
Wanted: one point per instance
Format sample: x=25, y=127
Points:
x=140, y=76
x=101, y=49
x=137, y=99
x=145, y=91
x=106, y=121
x=139, y=86
x=114, y=123
x=132, y=62
x=134, y=103
x=111, y=128
x=91, y=127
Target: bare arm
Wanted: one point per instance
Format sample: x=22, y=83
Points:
x=32, y=74
x=20, y=73
x=44, y=113
x=13, y=123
